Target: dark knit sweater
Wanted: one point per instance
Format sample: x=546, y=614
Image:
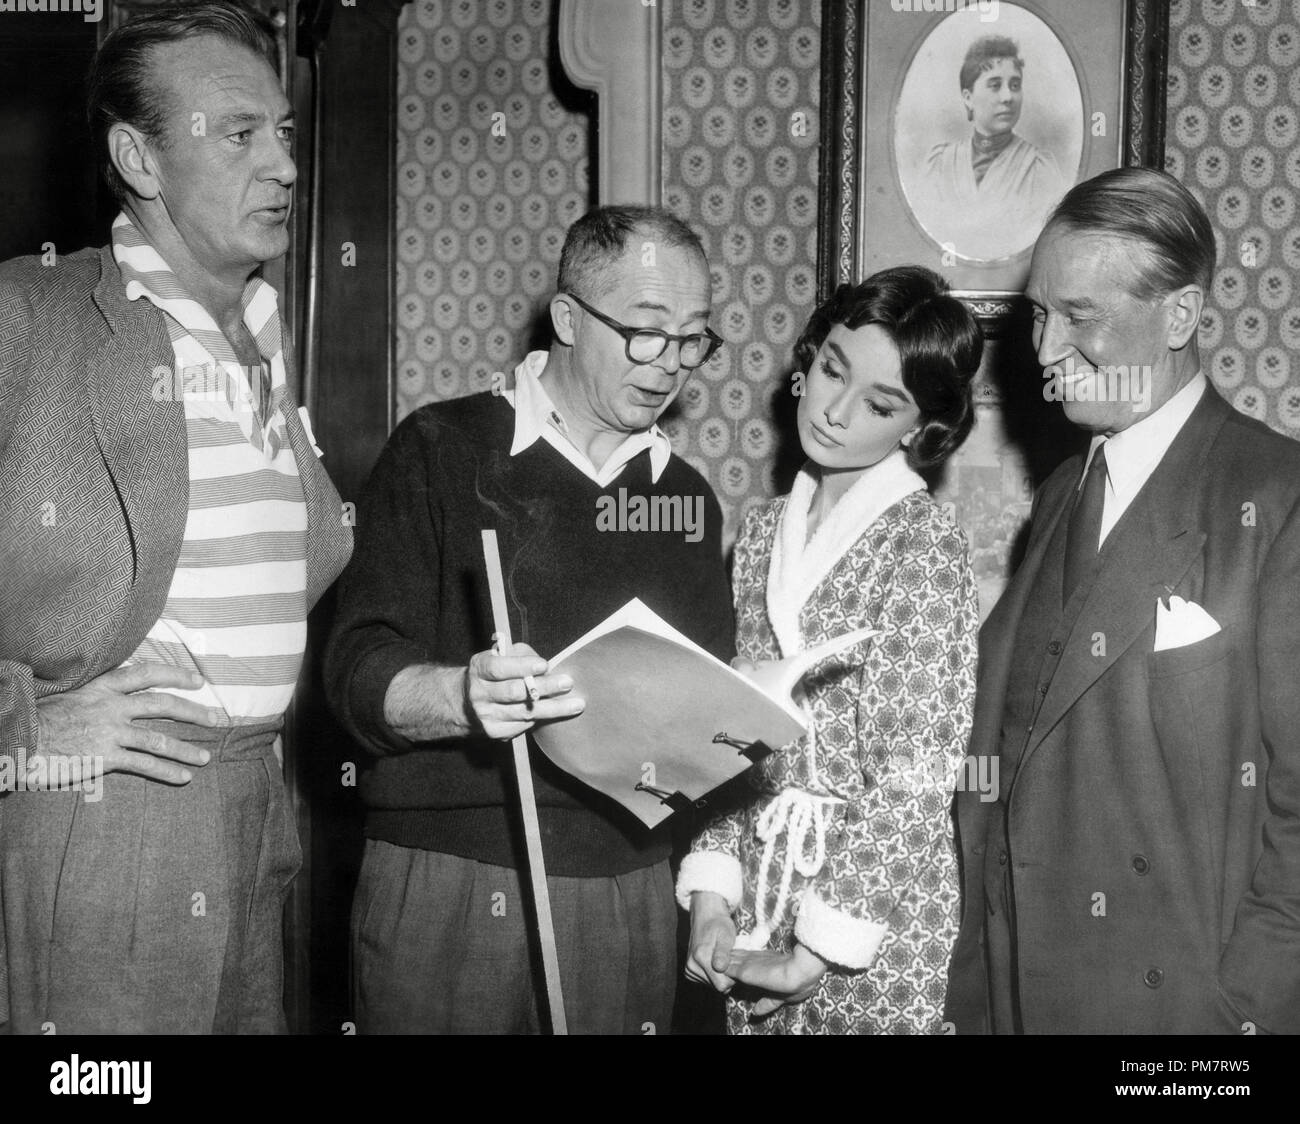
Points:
x=416, y=592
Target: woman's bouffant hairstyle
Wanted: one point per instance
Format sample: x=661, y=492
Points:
x=939, y=342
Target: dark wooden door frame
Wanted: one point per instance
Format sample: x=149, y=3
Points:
x=347, y=379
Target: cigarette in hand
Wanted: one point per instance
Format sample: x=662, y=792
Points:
x=530, y=685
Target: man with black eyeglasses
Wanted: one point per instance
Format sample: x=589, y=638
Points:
x=440, y=922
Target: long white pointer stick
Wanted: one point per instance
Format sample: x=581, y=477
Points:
x=527, y=801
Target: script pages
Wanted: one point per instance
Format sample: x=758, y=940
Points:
x=665, y=719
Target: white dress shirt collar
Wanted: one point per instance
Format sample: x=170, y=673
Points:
x=1132, y=454
x=537, y=416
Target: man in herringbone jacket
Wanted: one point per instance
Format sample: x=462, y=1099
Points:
x=164, y=529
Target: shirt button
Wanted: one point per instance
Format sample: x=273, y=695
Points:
x=1140, y=864
x=1002, y=858
x=1054, y=647
x=1154, y=978
x=1042, y=688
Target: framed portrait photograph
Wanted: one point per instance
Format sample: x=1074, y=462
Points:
x=955, y=126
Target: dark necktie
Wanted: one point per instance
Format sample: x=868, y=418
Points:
x=1084, y=532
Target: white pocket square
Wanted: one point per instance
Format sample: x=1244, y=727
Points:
x=1183, y=623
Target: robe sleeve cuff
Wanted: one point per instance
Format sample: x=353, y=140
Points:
x=835, y=936
x=713, y=871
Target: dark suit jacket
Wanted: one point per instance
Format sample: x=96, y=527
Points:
x=94, y=481
x=1166, y=782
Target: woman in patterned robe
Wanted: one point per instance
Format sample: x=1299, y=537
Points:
x=829, y=899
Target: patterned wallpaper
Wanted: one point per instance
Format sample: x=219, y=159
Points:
x=740, y=164
x=1233, y=124
x=481, y=217
x=491, y=171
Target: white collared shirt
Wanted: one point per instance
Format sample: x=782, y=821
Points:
x=1132, y=454
x=536, y=416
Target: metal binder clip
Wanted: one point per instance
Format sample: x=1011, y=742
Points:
x=677, y=801
x=755, y=751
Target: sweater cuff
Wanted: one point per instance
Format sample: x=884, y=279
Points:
x=834, y=935
x=714, y=871
x=368, y=689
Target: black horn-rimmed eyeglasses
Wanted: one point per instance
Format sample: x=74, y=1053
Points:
x=645, y=345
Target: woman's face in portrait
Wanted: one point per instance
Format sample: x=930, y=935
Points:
x=855, y=410
x=994, y=103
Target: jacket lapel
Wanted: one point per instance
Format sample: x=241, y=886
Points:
x=1145, y=556
x=996, y=649
x=329, y=541
x=997, y=637
x=141, y=438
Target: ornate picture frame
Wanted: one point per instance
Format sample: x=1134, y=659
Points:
x=891, y=94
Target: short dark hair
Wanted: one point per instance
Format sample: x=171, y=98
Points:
x=1154, y=210
x=121, y=87
x=598, y=239
x=938, y=339
x=983, y=53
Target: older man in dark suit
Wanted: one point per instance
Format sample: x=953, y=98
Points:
x=1140, y=872
x=164, y=530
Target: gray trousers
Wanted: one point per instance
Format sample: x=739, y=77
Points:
x=444, y=945
x=156, y=909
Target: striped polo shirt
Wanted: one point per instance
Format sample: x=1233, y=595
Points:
x=236, y=611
